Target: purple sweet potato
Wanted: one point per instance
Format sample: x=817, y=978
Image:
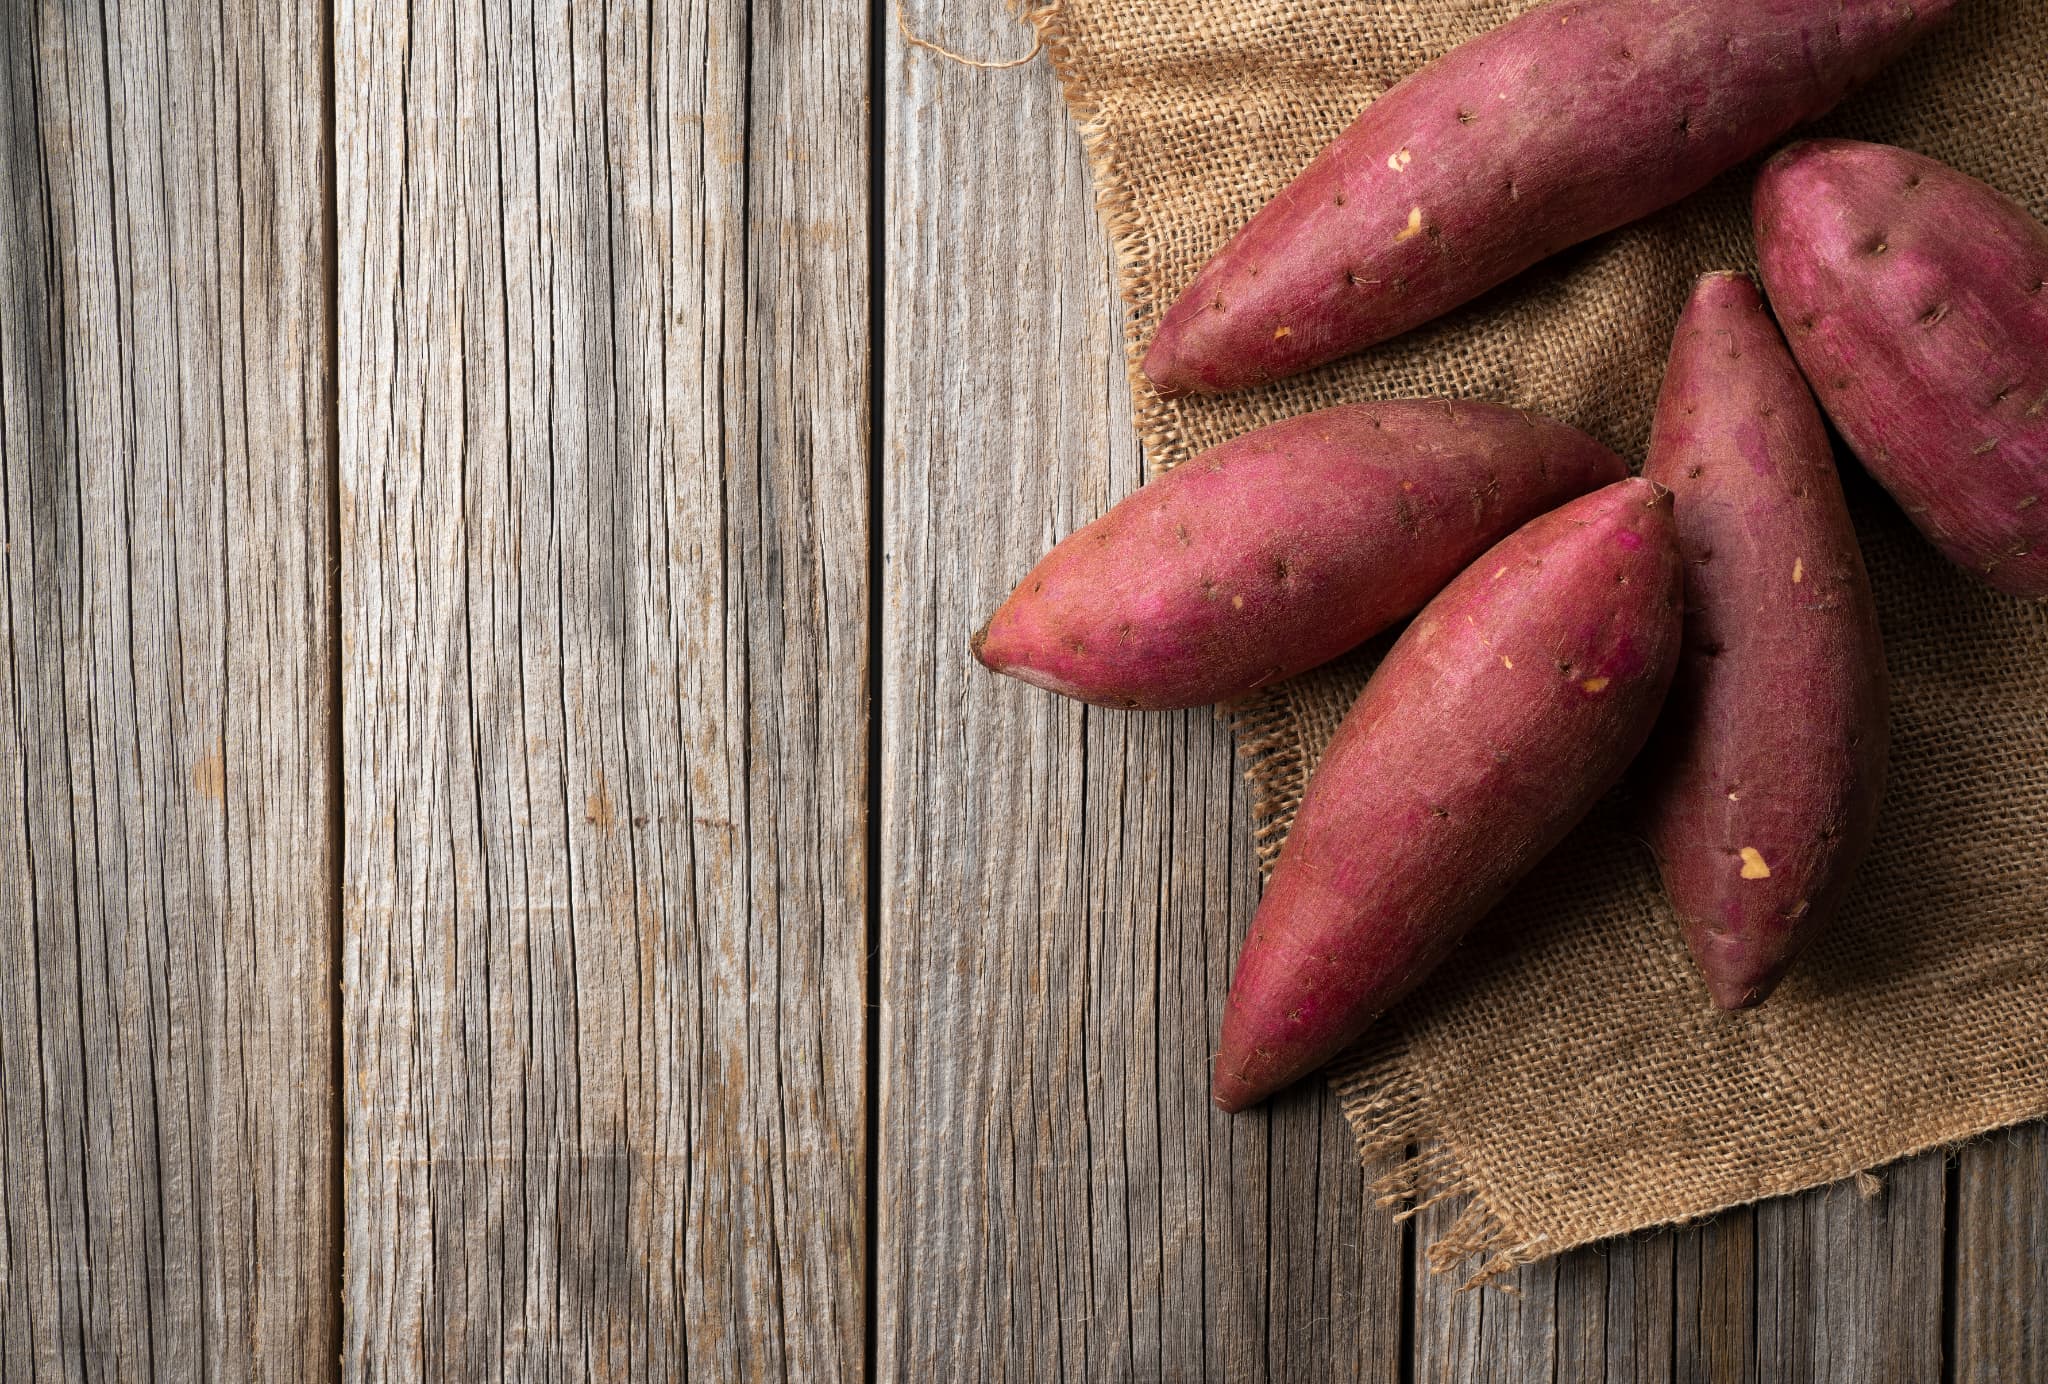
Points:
x=1282, y=549
x=1916, y=299
x=1577, y=117
x=1499, y=717
x=1770, y=755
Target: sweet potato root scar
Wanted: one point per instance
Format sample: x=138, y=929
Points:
x=1798, y=570
x=1753, y=866
x=1237, y=603
x=1595, y=684
x=1280, y=333
x=1400, y=161
x=1507, y=662
x=1414, y=226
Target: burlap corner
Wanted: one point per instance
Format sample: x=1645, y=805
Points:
x=1566, y=1073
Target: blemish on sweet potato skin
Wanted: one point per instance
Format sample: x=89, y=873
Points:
x=1762, y=788
x=1451, y=777
x=1932, y=350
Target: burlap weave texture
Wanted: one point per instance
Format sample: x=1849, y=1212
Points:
x=1565, y=1069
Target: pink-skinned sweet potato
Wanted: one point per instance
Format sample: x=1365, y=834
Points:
x=1573, y=119
x=1499, y=717
x=1916, y=299
x=1770, y=756
x=1282, y=549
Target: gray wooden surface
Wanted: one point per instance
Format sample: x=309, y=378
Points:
x=499, y=830
x=167, y=1019
x=603, y=472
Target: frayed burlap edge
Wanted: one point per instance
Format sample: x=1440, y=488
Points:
x=1382, y=1095
x=1270, y=742
x=1383, y=1100
x=1165, y=447
x=1263, y=722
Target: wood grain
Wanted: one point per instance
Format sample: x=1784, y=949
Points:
x=1839, y=1284
x=1064, y=890
x=1714, y=1333
x=1849, y=1279
x=603, y=382
x=166, y=928
x=2000, y=1286
x=1600, y=1313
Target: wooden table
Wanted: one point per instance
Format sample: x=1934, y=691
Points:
x=506, y=866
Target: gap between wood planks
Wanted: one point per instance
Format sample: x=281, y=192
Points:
x=878, y=236
x=337, y=807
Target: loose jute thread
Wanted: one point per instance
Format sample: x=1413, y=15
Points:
x=903, y=28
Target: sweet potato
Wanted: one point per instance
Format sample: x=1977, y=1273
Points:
x=1282, y=549
x=1770, y=755
x=1577, y=117
x=1916, y=299
x=1512, y=703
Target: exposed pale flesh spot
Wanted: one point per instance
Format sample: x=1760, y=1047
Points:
x=1501, y=573
x=1281, y=332
x=1798, y=570
x=1414, y=226
x=1595, y=684
x=1753, y=866
x=1506, y=662
x=1237, y=603
x=1400, y=161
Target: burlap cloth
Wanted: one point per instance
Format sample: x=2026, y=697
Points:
x=1565, y=1068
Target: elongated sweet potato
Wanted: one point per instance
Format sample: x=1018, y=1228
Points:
x=1916, y=299
x=1512, y=703
x=1770, y=755
x=1577, y=117
x=1282, y=549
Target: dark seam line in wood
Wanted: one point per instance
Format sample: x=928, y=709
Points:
x=1756, y=1304
x=1671, y=1284
x=53, y=306
x=1951, y=1236
x=1084, y=987
x=85, y=1086
x=337, y=806
x=871, y=1022
x=1409, y=1305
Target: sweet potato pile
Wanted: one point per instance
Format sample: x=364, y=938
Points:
x=1715, y=609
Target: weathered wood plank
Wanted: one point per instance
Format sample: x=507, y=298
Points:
x=1714, y=1336
x=1646, y=1308
x=2001, y=1257
x=1615, y=1311
x=1833, y=1285
x=167, y=1138
x=1063, y=890
x=604, y=456
x=1506, y=1332
x=1849, y=1280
